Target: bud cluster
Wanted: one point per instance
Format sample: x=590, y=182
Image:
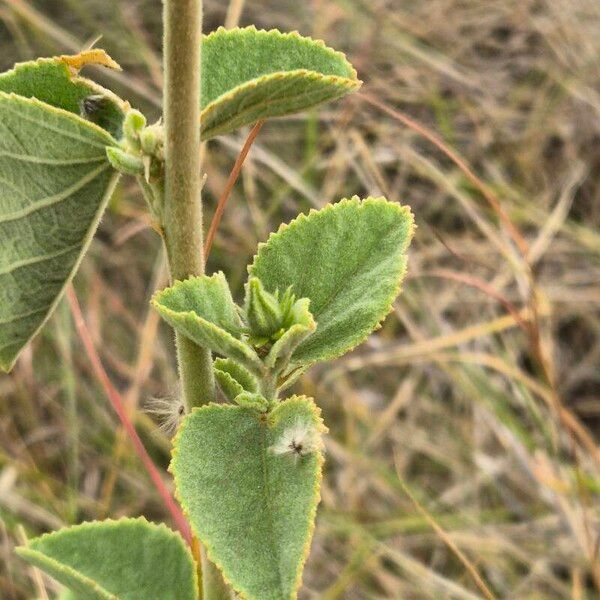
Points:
x=267, y=315
x=141, y=152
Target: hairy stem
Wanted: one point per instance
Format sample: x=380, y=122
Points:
x=182, y=210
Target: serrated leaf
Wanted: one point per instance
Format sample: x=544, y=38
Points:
x=228, y=385
x=259, y=530
x=349, y=260
x=252, y=400
x=55, y=181
x=129, y=559
x=249, y=75
x=201, y=308
x=52, y=81
x=233, y=378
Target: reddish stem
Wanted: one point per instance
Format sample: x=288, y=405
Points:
x=233, y=177
x=117, y=403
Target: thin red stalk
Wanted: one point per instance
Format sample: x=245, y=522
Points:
x=117, y=403
x=233, y=177
x=460, y=163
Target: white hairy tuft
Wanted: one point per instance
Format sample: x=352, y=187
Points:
x=300, y=439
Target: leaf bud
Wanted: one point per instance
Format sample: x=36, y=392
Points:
x=263, y=312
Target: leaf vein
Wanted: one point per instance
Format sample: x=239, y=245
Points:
x=60, y=162
x=22, y=115
x=29, y=313
x=26, y=262
x=54, y=199
x=268, y=504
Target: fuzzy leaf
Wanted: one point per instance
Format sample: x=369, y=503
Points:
x=201, y=308
x=55, y=181
x=258, y=531
x=228, y=385
x=249, y=75
x=52, y=81
x=252, y=400
x=349, y=260
x=233, y=378
x=262, y=310
x=129, y=559
x=304, y=325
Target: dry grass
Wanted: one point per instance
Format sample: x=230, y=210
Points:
x=478, y=393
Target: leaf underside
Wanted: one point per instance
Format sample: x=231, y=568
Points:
x=259, y=529
x=50, y=81
x=250, y=74
x=54, y=184
x=129, y=559
x=349, y=260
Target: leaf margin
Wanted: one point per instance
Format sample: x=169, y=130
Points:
x=387, y=306
x=25, y=552
x=321, y=428
x=87, y=240
x=246, y=354
x=346, y=84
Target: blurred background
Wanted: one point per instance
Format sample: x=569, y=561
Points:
x=464, y=434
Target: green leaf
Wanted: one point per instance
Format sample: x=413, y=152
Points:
x=52, y=81
x=349, y=259
x=258, y=531
x=262, y=310
x=303, y=326
x=252, y=400
x=249, y=75
x=129, y=559
x=201, y=308
x=233, y=378
x=55, y=181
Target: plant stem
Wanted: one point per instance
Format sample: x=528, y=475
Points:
x=182, y=210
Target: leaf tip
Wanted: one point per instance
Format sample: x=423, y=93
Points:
x=94, y=56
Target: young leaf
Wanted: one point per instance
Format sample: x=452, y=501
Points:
x=303, y=326
x=55, y=181
x=262, y=310
x=52, y=81
x=249, y=75
x=228, y=385
x=258, y=530
x=252, y=400
x=129, y=559
x=201, y=308
x=349, y=260
x=233, y=378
